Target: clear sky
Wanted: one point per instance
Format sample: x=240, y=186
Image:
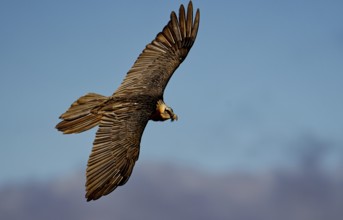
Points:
x=261, y=77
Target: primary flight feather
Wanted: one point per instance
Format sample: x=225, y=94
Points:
x=123, y=116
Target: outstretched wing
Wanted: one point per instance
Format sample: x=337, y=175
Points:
x=115, y=149
x=156, y=64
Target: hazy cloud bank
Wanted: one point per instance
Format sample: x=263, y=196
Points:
x=160, y=191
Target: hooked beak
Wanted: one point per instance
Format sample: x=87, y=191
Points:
x=171, y=114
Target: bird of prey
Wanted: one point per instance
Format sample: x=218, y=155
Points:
x=123, y=116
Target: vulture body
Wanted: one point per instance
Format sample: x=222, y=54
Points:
x=123, y=116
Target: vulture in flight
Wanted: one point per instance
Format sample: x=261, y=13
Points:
x=123, y=116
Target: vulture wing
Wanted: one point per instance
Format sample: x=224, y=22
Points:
x=115, y=149
x=156, y=64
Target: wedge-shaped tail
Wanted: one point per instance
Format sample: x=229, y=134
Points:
x=82, y=114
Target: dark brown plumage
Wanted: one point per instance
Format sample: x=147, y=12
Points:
x=123, y=116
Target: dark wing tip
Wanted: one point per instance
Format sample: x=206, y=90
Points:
x=181, y=31
x=179, y=34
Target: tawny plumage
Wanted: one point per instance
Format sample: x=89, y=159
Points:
x=123, y=116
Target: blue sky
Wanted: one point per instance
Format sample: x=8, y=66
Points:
x=261, y=76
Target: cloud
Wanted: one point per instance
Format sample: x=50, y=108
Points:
x=162, y=191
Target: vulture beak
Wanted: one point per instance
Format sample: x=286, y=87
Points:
x=171, y=113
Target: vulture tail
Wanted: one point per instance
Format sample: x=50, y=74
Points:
x=82, y=114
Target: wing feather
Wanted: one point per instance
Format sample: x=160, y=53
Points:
x=156, y=64
x=182, y=15
x=189, y=19
x=174, y=26
x=168, y=34
x=195, y=25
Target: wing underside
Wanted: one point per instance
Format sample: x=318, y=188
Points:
x=115, y=151
x=158, y=61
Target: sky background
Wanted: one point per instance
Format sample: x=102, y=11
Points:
x=260, y=90
x=261, y=75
